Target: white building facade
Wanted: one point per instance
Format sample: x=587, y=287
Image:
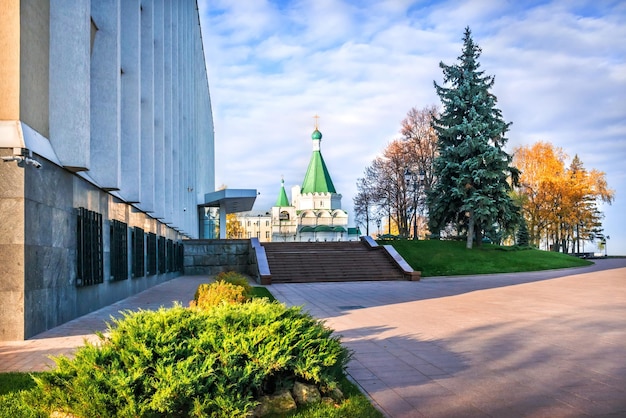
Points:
x=106, y=137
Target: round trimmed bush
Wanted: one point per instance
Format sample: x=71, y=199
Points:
x=195, y=362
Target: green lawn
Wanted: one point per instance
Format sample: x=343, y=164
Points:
x=449, y=258
x=261, y=292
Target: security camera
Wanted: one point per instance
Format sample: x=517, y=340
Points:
x=32, y=162
x=22, y=157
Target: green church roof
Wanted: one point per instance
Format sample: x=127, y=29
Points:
x=282, y=200
x=317, y=178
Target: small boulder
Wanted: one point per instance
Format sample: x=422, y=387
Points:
x=306, y=394
x=279, y=403
x=327, y=400
x=337, y=395
x=61, y=414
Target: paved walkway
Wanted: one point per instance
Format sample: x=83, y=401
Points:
x=543, y=344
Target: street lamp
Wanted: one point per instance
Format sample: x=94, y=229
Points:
x=416, y=179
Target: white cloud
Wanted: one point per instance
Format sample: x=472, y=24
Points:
x=560, y=70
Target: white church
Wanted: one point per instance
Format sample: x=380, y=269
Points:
x=314, y=213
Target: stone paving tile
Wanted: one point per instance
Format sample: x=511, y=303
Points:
x=501, y=345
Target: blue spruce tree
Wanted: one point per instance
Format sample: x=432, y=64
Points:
x=473, y=171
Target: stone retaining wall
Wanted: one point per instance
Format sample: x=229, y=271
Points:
x=210, y=257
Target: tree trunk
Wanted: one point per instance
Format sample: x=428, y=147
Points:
x=470, y=231
x=478, y=239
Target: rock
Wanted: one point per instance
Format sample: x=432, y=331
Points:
x=280, y=403
x=327, y=400
x=337, y=395
x=305, y=394
x=60, y=414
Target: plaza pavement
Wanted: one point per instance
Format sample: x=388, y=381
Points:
x=541, y=344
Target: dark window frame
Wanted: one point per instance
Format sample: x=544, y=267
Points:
x=89, y=248
x=118, y=250
x=151, y=250
x=139, y=254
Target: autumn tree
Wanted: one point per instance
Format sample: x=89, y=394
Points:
x=384, y=192
x=421, y=140
x=542, y=169
x=473, y=172
x=391, y=191
x=559, y=202
x=234, y=229
x=365, y=202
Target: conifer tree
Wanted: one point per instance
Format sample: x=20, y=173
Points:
x=472, y=170
x=521, y=238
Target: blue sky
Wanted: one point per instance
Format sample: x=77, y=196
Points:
x=559, y=67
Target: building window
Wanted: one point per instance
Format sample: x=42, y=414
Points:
x=180, y=261
x=249, y=234
x=118, y=259
x=170, y=255
x=138, y=253
x=89, y=236
x=267, y=234
x=267, y=223
x=248, y=223
x=151, y=251
x=161, y=252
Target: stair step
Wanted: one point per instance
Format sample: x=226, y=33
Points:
x=328, y=261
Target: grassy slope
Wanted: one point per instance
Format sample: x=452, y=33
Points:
x=448, y=258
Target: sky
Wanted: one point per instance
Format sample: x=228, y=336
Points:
x=361, y=65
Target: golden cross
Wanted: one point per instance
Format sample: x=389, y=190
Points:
x=316, y=121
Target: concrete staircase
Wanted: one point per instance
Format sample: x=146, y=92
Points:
x=334, y=262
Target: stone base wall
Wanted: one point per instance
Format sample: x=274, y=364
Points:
x=211, y=257
x=38, y=248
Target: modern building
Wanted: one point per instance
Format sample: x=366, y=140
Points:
x=314, y=213
x=106, y=137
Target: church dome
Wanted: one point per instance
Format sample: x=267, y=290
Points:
x=316, y=135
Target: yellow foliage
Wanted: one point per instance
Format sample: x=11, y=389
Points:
x=217, y=293
x=558, y=202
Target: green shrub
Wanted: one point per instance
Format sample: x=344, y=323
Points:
x=216, y=293
x=19, y=405
x=192, y=362
x=235, y=278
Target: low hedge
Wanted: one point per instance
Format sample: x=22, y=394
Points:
x=194, y=362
